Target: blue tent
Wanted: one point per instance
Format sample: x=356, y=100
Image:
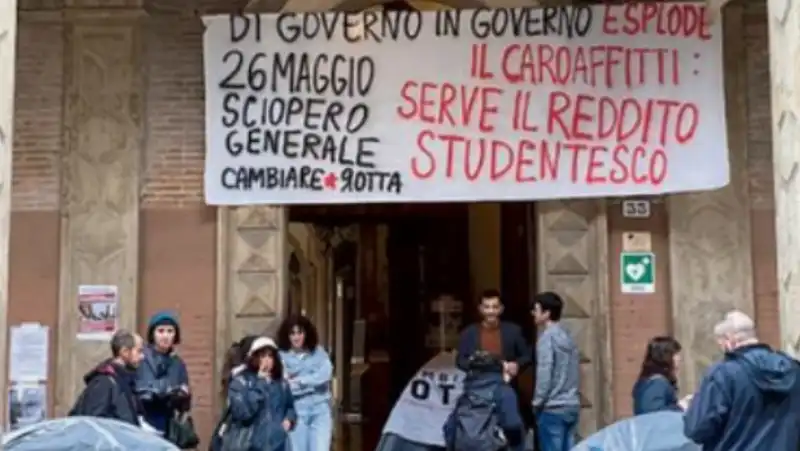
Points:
x=394, y=442
x=83, y=434
x=659, y=431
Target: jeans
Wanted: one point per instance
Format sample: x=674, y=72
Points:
x=313, y=430
x=556, y=430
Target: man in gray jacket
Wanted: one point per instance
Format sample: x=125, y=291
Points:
x=556, y=401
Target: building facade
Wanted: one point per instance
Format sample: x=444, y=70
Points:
x=108, y=149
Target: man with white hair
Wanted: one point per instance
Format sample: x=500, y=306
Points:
x=751, y=399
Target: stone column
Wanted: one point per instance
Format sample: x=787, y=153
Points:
x=8, y=39
x=784, y=49
x=710, y=246
x=251, y=273
x=572, y=260
x=101, y=175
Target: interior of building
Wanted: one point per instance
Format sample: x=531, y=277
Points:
x=390, y=286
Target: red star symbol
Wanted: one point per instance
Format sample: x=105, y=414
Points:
x=329, y=181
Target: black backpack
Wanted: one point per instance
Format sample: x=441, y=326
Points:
x=476, y=422
x=79, y=408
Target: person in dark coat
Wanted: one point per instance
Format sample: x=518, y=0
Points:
x=657, y=386
x=748, y=401
x=235, y=358
x=260, y=400
x=491, y=335
x=162, y=382
x=110, y=386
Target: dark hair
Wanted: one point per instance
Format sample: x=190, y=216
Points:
x=234, y=357
x=163, y=319
x=122, y=339
x=549, y=302
x=276, y=373
x=490, y=293
x=658, y=359
x=301, y=322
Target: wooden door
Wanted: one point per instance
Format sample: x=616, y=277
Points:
x=518, y=285
x=427, y=258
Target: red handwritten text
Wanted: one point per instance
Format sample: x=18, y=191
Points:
x=665, y=19
x=454, y=105
x=452, y=156
x=598, y=65
x=562, y=134
x=588, y=118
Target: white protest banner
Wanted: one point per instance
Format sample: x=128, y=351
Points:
x=464, y=105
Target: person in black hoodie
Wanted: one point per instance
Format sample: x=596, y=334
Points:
x=109, y=391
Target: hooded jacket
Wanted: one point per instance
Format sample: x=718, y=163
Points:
x=260, y=406
x=557, y=370
x=750, y=400
x=109, y=393
x=654, y=394
x=160, y=376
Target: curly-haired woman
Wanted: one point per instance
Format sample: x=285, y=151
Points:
x=309, y=371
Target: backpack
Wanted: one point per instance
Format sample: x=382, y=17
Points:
x=215, y=444
x=476, y=422
x=79, y=408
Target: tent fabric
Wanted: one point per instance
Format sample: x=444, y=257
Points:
x=83, y=434
x=393, y=442
x=417, y=419
x=659, y=431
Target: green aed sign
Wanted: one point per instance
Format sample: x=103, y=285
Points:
x=637, y=272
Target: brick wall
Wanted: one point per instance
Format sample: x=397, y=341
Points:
x=38, y=117
x=177, y=269
x=175, y=114
x=178, y=230
x=635, y=319
x=174, y=143
x=759, y=166
x=634, y=323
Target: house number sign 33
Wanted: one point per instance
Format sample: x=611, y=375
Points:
x=638, y=209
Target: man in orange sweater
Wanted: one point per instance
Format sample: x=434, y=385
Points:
x=500, y=338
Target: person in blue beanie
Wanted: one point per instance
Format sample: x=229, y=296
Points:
x=162, y=382
x=308, y=370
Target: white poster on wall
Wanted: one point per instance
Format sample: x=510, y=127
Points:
x=464, y=105
x=97, y=312
x=28, y=352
